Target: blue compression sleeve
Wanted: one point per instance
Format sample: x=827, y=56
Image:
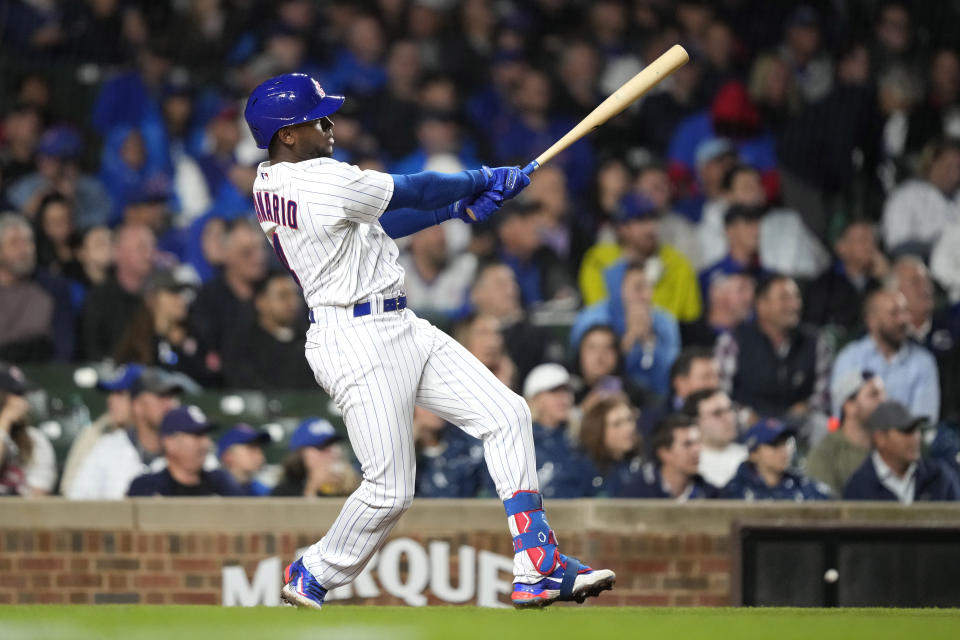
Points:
x=399, y=223
x=429, y=190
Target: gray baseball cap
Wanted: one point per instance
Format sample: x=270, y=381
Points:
x=892, y=415
x=163, y=383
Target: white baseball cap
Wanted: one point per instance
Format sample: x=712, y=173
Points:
x=847, y=385
x=545, y=377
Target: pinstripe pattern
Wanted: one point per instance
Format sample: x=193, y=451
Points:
x=377, y=367
x=338, y=252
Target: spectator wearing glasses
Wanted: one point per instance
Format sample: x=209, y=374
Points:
x=856, y=394
x=895, y=470
x=609, y=436
x=674, y=475
x=766, y=474
x=721, y=454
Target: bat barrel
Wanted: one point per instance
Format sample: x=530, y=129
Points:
x=627, y=94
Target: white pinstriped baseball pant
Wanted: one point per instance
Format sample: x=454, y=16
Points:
x=376, y=367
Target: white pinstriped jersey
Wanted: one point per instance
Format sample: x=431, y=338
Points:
x=321, y=217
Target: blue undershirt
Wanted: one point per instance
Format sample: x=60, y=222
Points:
x=421, y=200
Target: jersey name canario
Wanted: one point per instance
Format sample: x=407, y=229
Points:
x=321, y=216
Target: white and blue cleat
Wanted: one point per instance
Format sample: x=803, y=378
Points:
x=301, y=588
x=569, y=581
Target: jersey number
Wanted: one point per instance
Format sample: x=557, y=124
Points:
x=281, y=256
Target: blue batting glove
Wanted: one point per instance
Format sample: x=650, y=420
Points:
x=482, y=207
x=505, y=182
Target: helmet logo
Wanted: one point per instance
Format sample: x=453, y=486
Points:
x=319, y=88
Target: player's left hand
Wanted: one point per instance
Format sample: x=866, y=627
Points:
x=506, y=182
x=482, y=207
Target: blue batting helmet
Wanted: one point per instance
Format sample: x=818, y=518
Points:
x=293, y=98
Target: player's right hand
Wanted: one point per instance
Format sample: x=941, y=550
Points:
x=479, y=208
x=506, y=182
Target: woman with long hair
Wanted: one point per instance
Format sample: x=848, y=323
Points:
x=598, y=370
x=158, y=334
x=52, y=229
x=608, y=433
x=28, y=466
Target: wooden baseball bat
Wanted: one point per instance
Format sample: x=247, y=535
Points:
x=627, y=94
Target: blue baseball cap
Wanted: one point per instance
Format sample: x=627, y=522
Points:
x=313, y=432
x=185, y=420
x=62, y=141
x=121, y=379
x=241, y=434
x=634, y=206
x=712, y=149
x=766, y=431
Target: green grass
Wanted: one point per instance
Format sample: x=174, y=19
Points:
x=39, y=622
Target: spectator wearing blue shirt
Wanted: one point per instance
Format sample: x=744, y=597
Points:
x=649, y=337
x=531, y=127
x=608, y=434
x=449, y=462
x=540, y=274
x=358, y=66
x=240, y=451
x=732, y=113
x=185, y=438
x=562, y=469
x=766, y=474
x=895, y=469
x=439, y=138
x=742, y=228
x=126, y=169
x=673, y=475
x=58, y=169
x=908, y=370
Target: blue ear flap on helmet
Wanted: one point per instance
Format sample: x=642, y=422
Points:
x=291, y=98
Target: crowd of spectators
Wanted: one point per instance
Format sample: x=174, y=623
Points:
x=761, y=259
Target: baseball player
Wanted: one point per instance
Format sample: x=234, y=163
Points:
x=332, y=225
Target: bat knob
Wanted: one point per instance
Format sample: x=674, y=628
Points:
x=470, y=213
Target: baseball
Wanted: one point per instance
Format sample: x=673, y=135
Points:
x=830, y=576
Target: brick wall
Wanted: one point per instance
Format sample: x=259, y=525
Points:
x=75, y=566
x=173, y=552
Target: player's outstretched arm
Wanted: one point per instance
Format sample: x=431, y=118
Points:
x=430, y=190
x=399, y=223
